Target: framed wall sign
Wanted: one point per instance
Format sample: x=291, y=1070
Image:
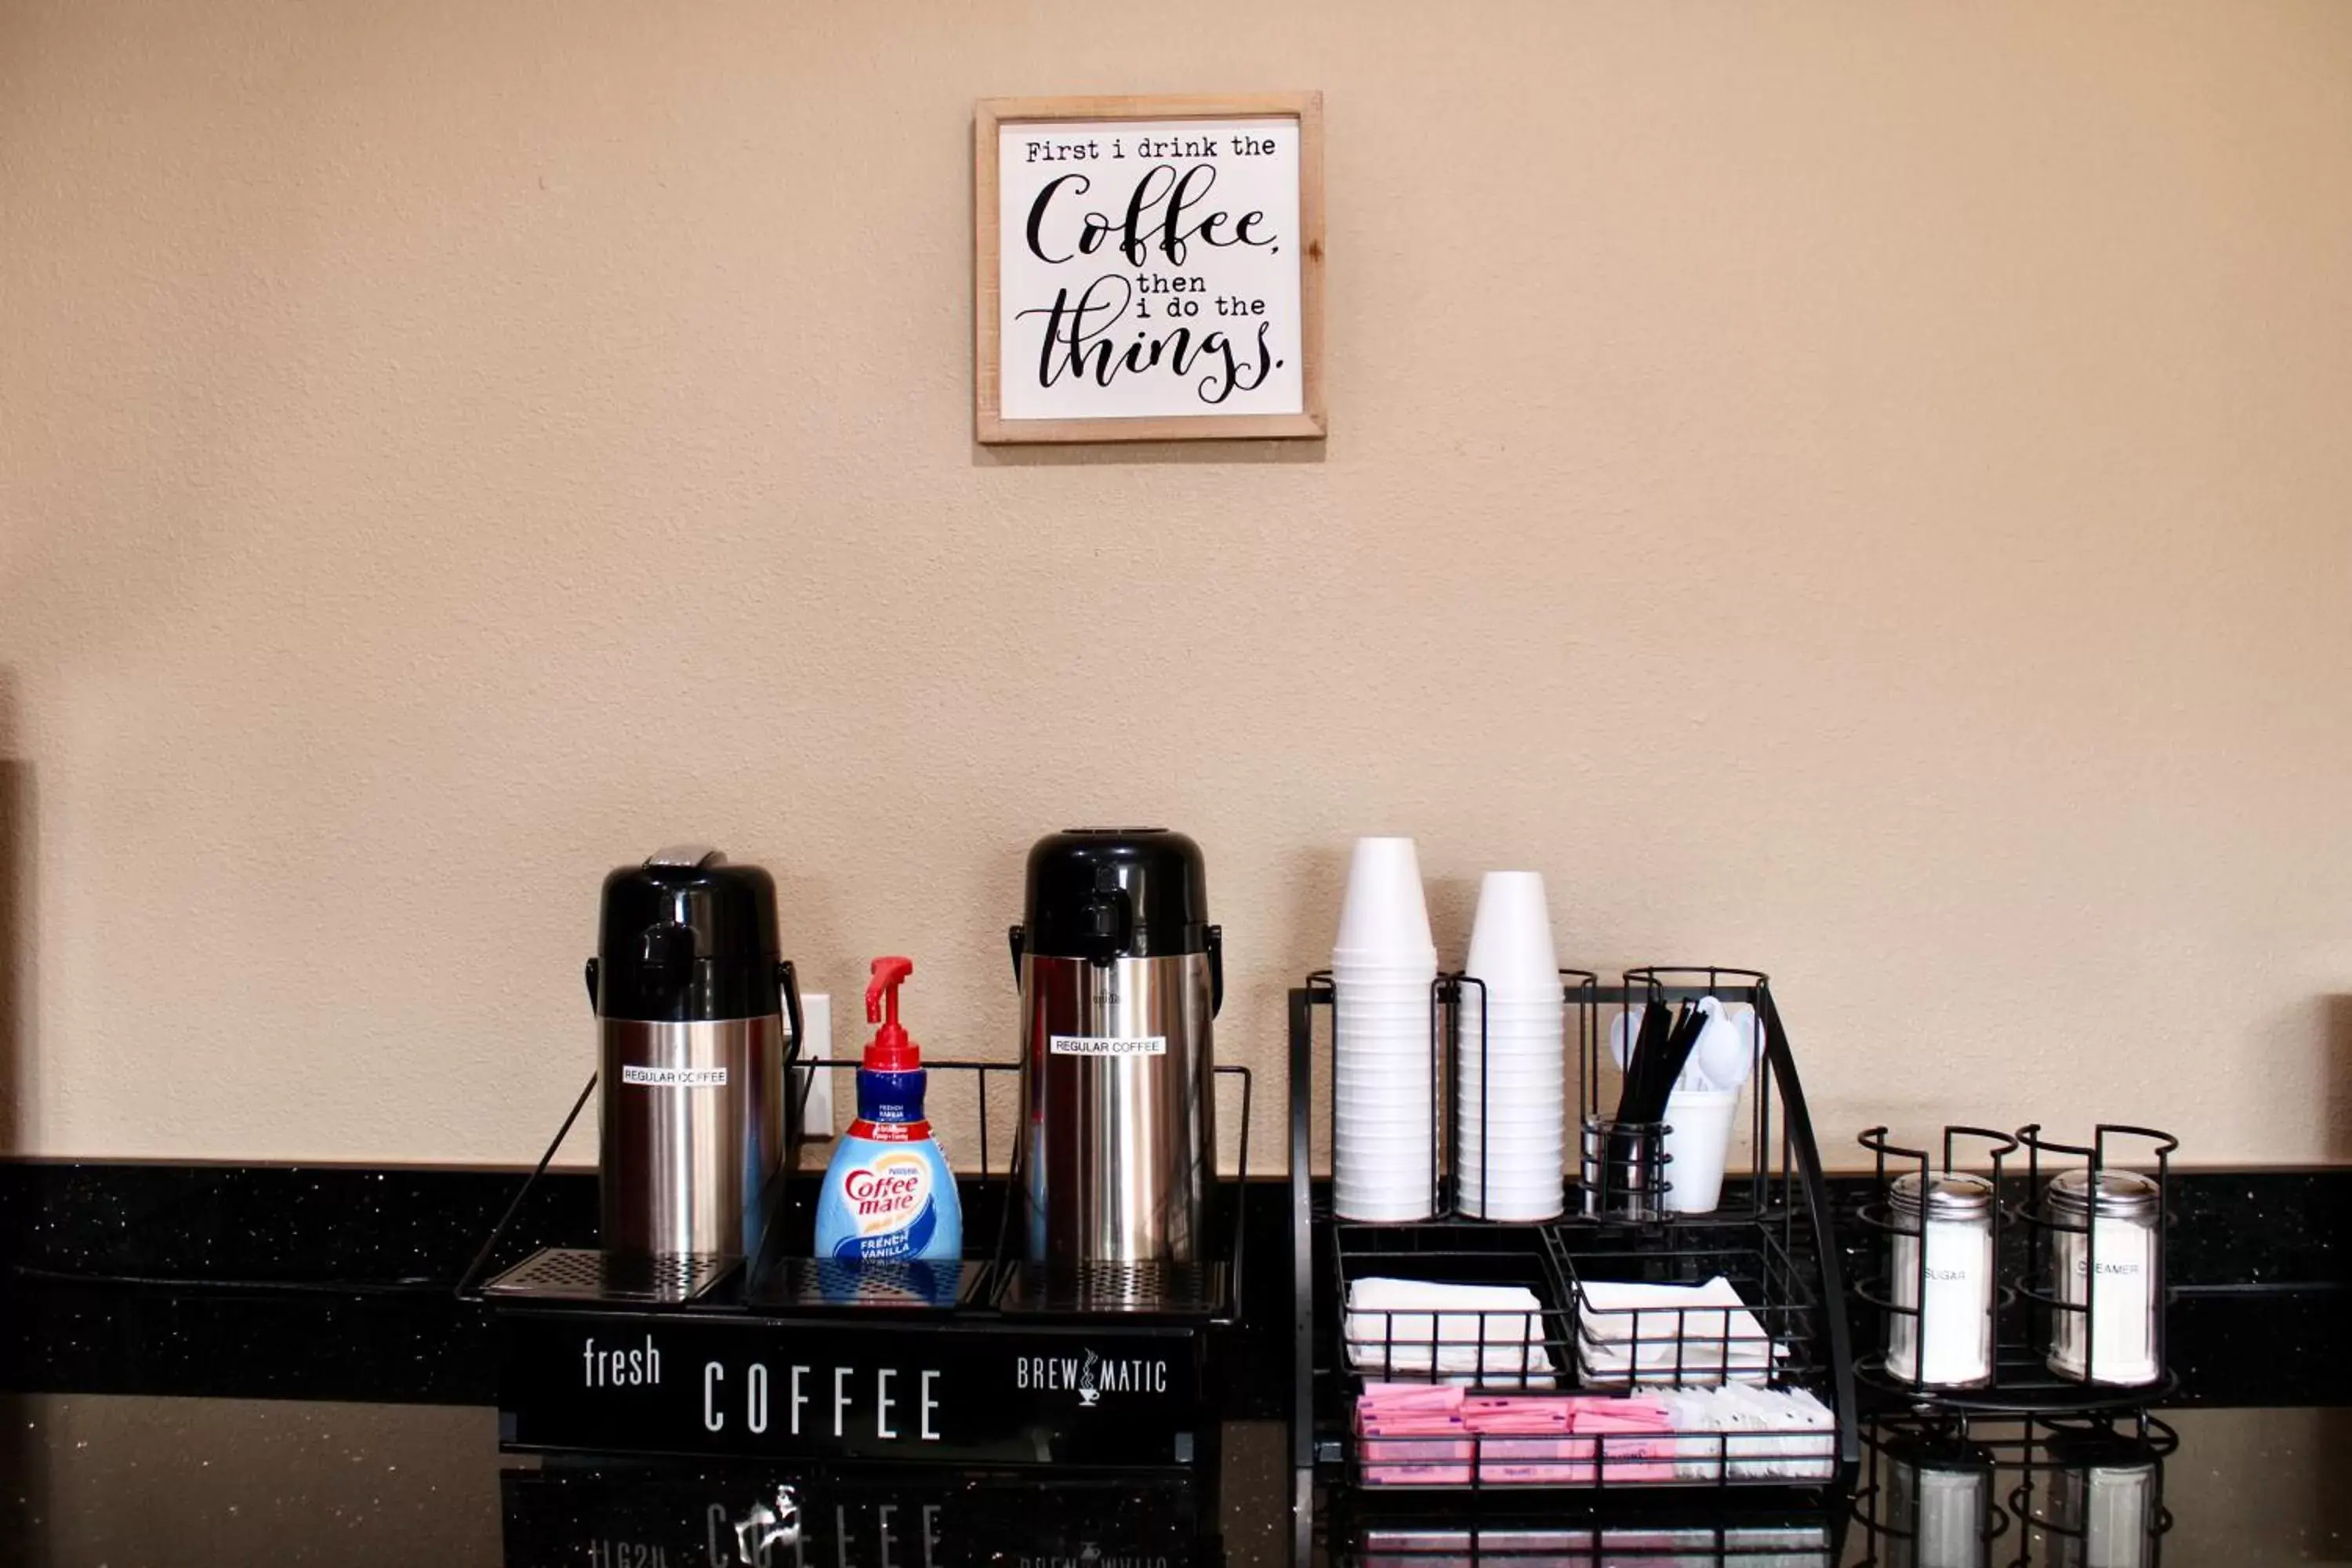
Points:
x=1148, y=268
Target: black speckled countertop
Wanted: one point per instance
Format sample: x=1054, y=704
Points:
x=254, y=1365
x=127, y=1481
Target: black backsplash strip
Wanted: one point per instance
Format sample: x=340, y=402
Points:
x=2260, y=1265
x=335, y=1282
x=2233, y=1229
x=329, y=1282
x=286, y=1224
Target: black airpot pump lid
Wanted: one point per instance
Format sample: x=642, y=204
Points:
x=1116, y=892
x=685, y=936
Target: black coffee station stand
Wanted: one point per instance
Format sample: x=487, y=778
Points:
x=924, y=1405
x=1029, y=1370
x=989, y=1361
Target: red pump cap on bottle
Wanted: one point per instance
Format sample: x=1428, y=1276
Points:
x=891, y=1051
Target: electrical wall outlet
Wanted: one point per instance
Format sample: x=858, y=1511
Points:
x=816, y=1046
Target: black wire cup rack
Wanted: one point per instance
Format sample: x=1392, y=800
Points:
x=987, y=1359
x=2026, y=1491
x=2062, y=1276
x=1616, y=1346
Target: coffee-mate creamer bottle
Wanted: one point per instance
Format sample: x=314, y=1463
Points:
x=888, y=1193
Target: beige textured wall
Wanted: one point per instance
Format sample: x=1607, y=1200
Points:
x=1857, y=489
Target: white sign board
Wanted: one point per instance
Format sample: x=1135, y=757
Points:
x=1147, y=278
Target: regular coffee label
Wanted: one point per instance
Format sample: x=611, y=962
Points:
x=674, y=1077
x=1109, y=1045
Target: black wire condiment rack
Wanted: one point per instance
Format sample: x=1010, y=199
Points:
x=1771, y=1235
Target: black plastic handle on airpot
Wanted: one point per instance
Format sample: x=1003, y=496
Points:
x=788, y=988
x=788, y=983
x=685, y=938
x=1101, y=894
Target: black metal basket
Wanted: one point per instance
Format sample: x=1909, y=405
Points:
x=1769, y=1237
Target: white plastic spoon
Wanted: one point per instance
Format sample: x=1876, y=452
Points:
x=1622, y=1031
x=1726, y=1053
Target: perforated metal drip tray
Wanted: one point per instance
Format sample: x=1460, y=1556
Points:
x=1158, y=1291
x=585, y=1275
x=803, y=1285
x=1187, y=1290
x=795, y=1286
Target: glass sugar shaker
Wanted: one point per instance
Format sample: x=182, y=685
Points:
x=1950, y=1285
x=1940, y=1507
x=2102, y=1508
x=2110, y=1333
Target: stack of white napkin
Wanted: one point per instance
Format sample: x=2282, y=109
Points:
x=1422, y=1330
x=1689, y=1336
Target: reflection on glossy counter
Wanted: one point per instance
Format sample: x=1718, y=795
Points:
x=124, y=1481
x=2261, y=1486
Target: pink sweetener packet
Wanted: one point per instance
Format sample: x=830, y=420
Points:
x=1415, y=1449
x=1416, y=1461
x=1604, y=1414
x=1416, y=1475
x=1414, y=1396
x=1528, y=1450
x=1522, y=1412
x=1567, y=1475
x=1633, y=1458
x=1531, y=1425
x=1409, y=1427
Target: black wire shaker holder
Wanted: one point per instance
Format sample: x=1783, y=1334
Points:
x=1951, y=1485
x=2026, y=1314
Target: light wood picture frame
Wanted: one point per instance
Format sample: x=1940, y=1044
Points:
x=1091, y=387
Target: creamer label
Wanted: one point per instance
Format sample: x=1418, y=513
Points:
x=1109, y=1045
x=674, y=1077
x=887, y=1192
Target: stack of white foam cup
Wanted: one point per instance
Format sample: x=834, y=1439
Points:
x=1384, y=1114
x=1511, y=1085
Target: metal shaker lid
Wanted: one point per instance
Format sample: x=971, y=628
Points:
x=2123, y=1194
x=684, y=936
x=1950, y=1194
x=1101, y=893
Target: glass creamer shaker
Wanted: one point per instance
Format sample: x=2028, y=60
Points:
x=2103, y=1509
x=1952, y=1294
x=2110, y=1336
